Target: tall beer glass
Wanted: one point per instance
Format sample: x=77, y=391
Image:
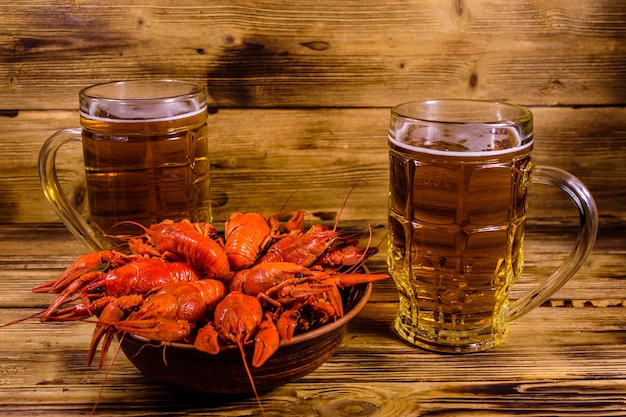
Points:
x=146, y=158
x=459, y=175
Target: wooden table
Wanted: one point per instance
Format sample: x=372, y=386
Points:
x=302, y=95
x=567, y=357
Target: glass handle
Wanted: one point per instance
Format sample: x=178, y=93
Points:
x=587, y=232
x=52, y=189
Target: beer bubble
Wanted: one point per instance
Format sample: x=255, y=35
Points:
x=470, y=138
x=129, y=112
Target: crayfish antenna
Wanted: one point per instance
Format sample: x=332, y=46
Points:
x=345, y=201
x=247, y=368
x=16, y=321
x=106, y=374
x=289, y=198
x=368, y=252
x=125, y=237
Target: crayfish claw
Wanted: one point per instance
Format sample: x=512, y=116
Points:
x=287, y=323
x=74, y=287
x=165, y=330
x=90, y=263
x=207, y=340
x=114, y=311
x=266, y=341
x=296, y=223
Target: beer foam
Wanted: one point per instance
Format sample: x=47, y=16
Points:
x=133, y=112
x=468, y=139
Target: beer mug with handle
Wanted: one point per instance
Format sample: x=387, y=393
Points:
x=145, y=156
x=459, y=175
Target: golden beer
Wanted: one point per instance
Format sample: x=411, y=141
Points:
x=457, y=211
x=145, y=149
x=146, y=171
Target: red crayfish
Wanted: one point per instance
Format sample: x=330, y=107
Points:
x=262, y=282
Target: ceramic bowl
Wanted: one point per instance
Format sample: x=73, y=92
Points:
x=182, y=366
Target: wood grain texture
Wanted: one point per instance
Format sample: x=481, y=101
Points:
x=302, y=92
x=564, y=358
x=352, y=54
x=311, y=158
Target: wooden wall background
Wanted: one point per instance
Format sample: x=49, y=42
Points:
x=302, y=89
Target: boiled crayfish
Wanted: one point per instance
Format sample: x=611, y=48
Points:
x=260, y=283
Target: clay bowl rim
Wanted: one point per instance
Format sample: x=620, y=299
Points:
x=297, y=339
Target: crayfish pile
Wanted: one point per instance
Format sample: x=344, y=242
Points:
x=260, y=282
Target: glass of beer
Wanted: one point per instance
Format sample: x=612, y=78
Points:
x=459, y=175
x=146, y=158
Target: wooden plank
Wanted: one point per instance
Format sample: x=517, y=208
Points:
x=348, y=54
x=302, y=94
x=263, y=159
x=32, y=255
x=554, y=361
